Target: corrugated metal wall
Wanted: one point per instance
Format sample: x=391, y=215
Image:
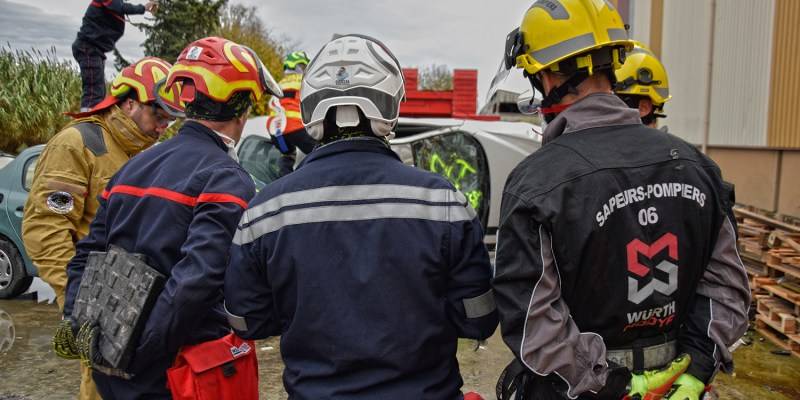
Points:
x=785, y=101
x=685, y=54
x=741, y=72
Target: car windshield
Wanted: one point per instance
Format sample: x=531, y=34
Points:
x=5, y=160
x=260, y=159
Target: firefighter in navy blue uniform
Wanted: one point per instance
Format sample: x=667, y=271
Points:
x=178, y=204
x=617, y=272
x=368, y=269
x=102, y=26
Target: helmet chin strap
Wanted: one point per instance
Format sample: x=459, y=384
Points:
x=550, y=104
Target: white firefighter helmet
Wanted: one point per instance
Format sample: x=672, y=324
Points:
x=352, y=72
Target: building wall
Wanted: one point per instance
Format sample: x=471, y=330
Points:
x=685, y=45
x=784, y=103
x=741, y=72
x=639, y=20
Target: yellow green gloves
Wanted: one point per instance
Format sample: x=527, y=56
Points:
x=64, y=341
x=655, y=384
x=686, y=387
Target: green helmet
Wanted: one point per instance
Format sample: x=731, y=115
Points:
x=294, y=59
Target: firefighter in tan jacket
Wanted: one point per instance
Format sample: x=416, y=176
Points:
x=75, y=166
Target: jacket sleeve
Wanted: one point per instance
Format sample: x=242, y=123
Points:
x=196, y=280
x=50, y=236
x=470, y=300
x=96, y=240
x=248, y=294
x=535, y=321
x=718, y=314
x=123, y=7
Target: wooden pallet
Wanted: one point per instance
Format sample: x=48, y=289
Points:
x=787, y=342
x=780, y=313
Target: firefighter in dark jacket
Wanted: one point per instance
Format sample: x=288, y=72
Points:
x=617, y=271
x=368, y=269
x=178, y=204
x=102, y=26
x=75, y=166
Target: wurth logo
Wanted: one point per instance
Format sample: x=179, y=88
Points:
x=636, y=248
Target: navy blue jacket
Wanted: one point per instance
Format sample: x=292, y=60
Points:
x=104, y=22
x=178, y=203
x=370, y=270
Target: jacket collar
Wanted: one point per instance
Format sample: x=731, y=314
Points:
x=592, y=111
x=122, y=129
x=198, y=130
x=359, y=144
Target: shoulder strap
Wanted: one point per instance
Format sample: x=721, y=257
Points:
x=92, y=136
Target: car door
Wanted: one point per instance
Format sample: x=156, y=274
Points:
x=19, y=188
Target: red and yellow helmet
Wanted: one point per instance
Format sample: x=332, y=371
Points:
x=141, y=77
x=218, y=68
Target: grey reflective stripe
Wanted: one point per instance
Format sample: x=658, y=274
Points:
x=352, y=212
x=552, y=7
x=639, y=50
x=663, y=92
x=617, y=34
x=480, y=306
x=461, y=199
x=238, y=323
x=655, y=356
x=569, y=46
x=350, y=193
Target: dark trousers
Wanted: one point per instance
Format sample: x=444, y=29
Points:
x=288, y=145
x=151, y=383
x=92, y=62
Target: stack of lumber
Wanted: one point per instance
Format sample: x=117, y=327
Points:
x=770, y=250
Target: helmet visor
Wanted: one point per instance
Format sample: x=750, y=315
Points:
x=171, y=107
x=267, y=81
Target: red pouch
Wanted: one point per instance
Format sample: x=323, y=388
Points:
x=222, y=369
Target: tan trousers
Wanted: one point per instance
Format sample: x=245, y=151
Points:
x=88, y=389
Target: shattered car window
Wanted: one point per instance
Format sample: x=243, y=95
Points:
x=459, y=158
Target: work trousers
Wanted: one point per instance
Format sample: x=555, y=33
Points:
x=92, y=62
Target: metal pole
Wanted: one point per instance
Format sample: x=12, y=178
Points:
x=707, y=132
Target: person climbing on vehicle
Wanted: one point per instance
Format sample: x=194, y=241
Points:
x=285, y=122
x=398, y=270
x=74, y=167
x=643, y=85
x=616, y=271
x=177, y=206
x=103, y=25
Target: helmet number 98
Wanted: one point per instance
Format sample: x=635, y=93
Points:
x=648, y=216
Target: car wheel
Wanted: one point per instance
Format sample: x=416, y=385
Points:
x=13, y=278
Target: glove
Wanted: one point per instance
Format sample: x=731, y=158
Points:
x=655, y=384
x=64, y=341
x=88, y=345
x=686, y=387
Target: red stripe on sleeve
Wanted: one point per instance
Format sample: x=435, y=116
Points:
x=174, y=196
x=221, y=198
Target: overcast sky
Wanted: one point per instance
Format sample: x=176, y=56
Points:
x=458, y=33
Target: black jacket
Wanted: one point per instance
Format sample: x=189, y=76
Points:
x=104, y=22
x=614, y=233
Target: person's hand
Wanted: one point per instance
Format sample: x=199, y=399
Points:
x=655, y=384
x=64, y=341
x=151, y=6
x=88, y=345
x=687, y=387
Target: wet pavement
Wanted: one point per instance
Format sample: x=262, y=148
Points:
x=30, y=370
